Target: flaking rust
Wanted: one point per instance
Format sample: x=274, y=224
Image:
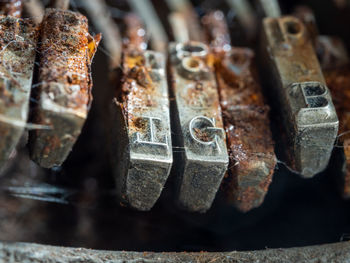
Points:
x=198, y=125
x=141, y=148
x=304, y=100
x=63, y=94
x=18, y=40
x=247, y=125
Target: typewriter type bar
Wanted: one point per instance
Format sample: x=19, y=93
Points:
x=247, y=125
x=18, y=44
x=63, y=93
x=334, y=61
x=198, y=125
x=305, y=102
x=141, y=148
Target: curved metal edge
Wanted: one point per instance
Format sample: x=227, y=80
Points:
x=29, y=252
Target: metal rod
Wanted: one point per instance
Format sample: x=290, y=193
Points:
x=30, y=253
x=34, y=9
x=102, y=21
x=60, y=4
x=146, y=11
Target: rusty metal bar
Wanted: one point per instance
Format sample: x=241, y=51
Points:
x=198, y=125
x=141, y=148
x=17, y=44
x=29, y=252
x=63, y=93
x=307, y=109
x=246, y=120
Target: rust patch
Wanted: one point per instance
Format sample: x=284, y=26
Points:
x=64, y=94
x=246, y=120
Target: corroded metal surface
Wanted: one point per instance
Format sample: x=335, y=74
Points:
x=141, y=136
x=17, y=43
x=304, y=100
x=63, y=93
x=28, y=252
x=247, y=126
x=11, y=8
x=246, y=120
x=198, y=125
x=338, y=81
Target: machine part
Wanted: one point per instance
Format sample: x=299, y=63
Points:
x=269, y=8
x=334, y=61
x=305, y=103
x=141, y=148
x=217, y=31
x=63, y=93
x=135, y=37
x=338, y=81
x=29, y=252
x=154, y=26
x=60, y=4
x=102, y=21
x=331, y=52
x=307, y=16
x=198, y=124
x=336, y=69
x=178, y=25
x=18, y=44
x=11, y=8
x=246, y=120
x=247, y=125
x=34, y=9
x=183, y=9
x=246, y=16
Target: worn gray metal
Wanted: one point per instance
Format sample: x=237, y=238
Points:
x=306, y=105
x=17, y=44
x=269, y=8
x=198, y=125
x=141, y=148
x=30, y=253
